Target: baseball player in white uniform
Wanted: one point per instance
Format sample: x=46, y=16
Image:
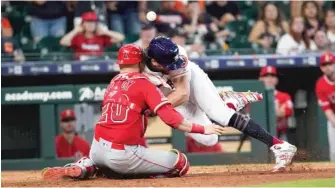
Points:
x=195, y=96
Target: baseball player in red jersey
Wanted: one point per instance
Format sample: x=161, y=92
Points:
x=283, y=101
x=67, y=143
x=122, y=125
x=325, y=92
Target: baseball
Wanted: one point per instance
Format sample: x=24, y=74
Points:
x=151, y=16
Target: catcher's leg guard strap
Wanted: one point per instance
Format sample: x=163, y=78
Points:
x=181, y=166
x=87, y=166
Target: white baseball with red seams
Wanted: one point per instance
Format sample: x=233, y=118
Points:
x=151, y=16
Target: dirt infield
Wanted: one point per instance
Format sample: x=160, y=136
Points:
x=231, y=175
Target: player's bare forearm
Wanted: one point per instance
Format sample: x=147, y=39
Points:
x=185, y=126
x=189, y=127
x=174, y=119
x=330, y=116
x=182, y=91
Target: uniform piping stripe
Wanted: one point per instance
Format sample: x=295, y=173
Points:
x=151, y=162
x=160, y=105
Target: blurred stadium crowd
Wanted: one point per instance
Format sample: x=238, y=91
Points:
x=81, y=30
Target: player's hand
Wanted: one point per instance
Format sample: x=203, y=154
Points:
x=214, y=129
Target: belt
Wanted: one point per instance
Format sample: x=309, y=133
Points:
x=113, y=145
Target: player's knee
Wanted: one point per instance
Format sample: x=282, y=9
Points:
x=221, y=116
x=181, y=166
x=210, y=140
x=87, y=166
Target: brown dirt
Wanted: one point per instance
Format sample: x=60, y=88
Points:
x=230, y=175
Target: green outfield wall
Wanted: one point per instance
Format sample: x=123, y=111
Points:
x=30, y=123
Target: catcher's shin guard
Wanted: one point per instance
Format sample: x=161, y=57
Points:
x=181, y=166
x=83, y=168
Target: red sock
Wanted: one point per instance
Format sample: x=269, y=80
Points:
x=276, y=141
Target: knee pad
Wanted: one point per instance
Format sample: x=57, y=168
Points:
x=87, y=166
x=180, y=167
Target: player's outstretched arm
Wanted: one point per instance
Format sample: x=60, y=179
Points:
x=160, y=105
x=189, y=127
x=174, y=119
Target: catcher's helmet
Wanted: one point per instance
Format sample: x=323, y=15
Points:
x=165, y=52
x=129, y=54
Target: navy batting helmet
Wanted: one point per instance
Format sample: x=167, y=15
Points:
x=165, y=52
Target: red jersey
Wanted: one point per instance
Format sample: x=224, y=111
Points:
x=283, y=98
x=325, y=92
x=5, y=24
x=78, y=148
x=194, y=147
x=89, y=46
x=126, y=97
x=143, y=142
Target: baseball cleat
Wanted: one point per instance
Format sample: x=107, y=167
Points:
x=283, y=153
x=240, y=99
x=56, y=173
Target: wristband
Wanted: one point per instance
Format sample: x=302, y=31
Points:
x=196, y=128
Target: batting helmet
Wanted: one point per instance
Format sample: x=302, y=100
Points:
x=165, y=52
x=129, y=54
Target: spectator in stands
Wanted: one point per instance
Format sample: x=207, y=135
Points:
x=147, y=33
x=88, y=6
x=178, y=35
x=9, y=48
x=223, y=11
x=295, y=7
x=269, y=28
x=192, y=13
x=294, y=42
x=322, y=42
x=6, y=28
x=204, y=30
x=124, y=16
x=48, y=19
x=168, y=18
x=330, y=24
x=312, y=16
x=196, y=147
x=89, y=39
x=283, y=103
x=68, y=144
